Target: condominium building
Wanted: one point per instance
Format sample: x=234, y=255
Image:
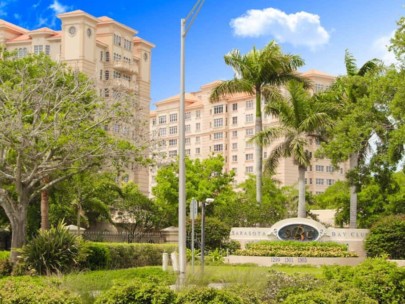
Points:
x=107, y=51
x=225, y=127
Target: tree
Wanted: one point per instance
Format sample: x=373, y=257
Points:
x=135, y=212
x=205, y=179
x=259, y=73
x=299, y=119
x=52, y=126
x=361, y=116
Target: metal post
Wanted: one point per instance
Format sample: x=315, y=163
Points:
x=182, y=173
x=202, y=235
x=193, y=213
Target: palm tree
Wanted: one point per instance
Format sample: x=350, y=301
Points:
x=259, y=73
x=353, y=71
x=300, y=118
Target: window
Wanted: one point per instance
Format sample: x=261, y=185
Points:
x=218, y=122
x=47, y=49
x=173, y=142
x=38, y=49
x=310, y=181
x=172, y=153
x=249, y=118
x=173, y=117
x=218, y=148
x=22, y=52
x=106, y=92
x=249, y=156
x=218, y=135
x=234, y=120
x=249, y=169
x=117, y=40
x=162, y=132
x=107, y=56
x=162, y=119
x=234, y=134
x=116, y=75
x=234, y=107
x=101, y=74
x=154, y=122
x=197, y=151
x=249, y=104
x=218, y=109
x=234, y=158
x=187, y=128
x=319, y=168
x=198, y=126
x=330, y=169
x=330, y=182
x=188, y=152
x=249, y=145
x=235, y=170
x=106, y=74
x=101, y=55
x=198, y=114
x=197, y=140
x=319, y=181
x=234, y=146
x=187, y=115
x=173, y=130
x=187, y=141
x=249, y=132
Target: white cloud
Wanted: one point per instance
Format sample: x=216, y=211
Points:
x=3, y=5
x=301, y=28
x=380, y=49
x=58, y=8
x=17, y=16
x=42, y=21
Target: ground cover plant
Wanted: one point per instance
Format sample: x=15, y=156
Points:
x=296, y=249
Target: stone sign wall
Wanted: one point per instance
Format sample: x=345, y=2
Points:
x=302, y=229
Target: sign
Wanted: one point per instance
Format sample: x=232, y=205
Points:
x=298, y=232
x=193, y=209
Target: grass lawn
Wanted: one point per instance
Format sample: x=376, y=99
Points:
x=90, y=284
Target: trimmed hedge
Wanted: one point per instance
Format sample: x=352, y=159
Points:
x=123, y=255
x=387, y=237
x=296, y=249
x=27, y=290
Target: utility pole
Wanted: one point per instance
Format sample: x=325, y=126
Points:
x=185, y=27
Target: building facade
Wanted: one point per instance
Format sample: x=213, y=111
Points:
x=108, y=52
x=225, y=127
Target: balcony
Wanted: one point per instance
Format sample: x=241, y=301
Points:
x=126, y=67
x=121, y=83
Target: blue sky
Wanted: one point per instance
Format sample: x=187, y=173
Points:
x=317, y=30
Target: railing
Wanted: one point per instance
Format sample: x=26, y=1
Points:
x=125, y=66
x=113, y=237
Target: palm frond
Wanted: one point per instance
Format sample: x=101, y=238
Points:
x=231, y=87
x=369, y=66
x=267, y=135
x=274, y=158
x=271, y=93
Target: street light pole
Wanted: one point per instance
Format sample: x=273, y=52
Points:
x=182, y=167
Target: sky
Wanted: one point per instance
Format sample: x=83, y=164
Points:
x=317, y=30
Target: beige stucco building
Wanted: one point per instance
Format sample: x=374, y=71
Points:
x=108, y=52
x=225, y=127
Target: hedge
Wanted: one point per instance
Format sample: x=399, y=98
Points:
x=24, y=290
x=296, y=249
x=387, y=237
x=123, y=255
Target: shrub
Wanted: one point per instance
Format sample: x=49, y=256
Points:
x=216, y=232
x=387, y=237
x=296, y=249
x=98, y=256
x=27, y=291
x=52, y=251
x=4, y=255
x=5, y=268
x=142, y=293
x=123, y=255
x=209, y=296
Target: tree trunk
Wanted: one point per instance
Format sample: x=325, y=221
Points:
x=301, y=192
x=353, y=163
x=258, y=148
x=45, y=206
x=19, y=231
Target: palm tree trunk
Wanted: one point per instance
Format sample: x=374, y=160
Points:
x=301, y=192
x=353, y=163
x=258, y=147
x=45, y=206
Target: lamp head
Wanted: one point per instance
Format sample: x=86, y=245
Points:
x=209, y=200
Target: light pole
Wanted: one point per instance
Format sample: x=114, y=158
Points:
x=207, y=201
x=182, y=167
